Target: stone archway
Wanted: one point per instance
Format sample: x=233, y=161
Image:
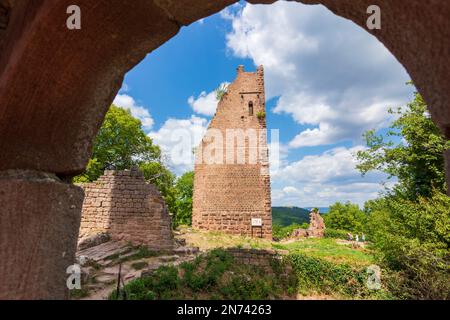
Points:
x=56, y=85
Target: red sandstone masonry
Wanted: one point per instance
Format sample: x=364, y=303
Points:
x=227, y=196
x=122, y=204
x=261, y=258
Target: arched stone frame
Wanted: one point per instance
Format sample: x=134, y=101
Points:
x=57, y=84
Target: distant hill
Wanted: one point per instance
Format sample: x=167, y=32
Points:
x=322, y=210
x=285, y=216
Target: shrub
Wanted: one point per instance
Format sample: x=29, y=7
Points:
x=162, y=284
x=412, y=238
x=212, y=276
x=329, y=278
x=261, y=115
x=346, y=216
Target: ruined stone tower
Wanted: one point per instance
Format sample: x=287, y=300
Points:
x=232, y=182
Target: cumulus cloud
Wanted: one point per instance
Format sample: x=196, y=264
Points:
x=205, y=103
x=321, y=180
x=328, y=74
x=177, y=139
x=127, y=102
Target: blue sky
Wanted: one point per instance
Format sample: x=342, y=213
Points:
x=327, y=81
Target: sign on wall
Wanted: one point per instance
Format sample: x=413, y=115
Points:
x=256, y=222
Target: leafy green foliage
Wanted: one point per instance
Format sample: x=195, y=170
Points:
x=221, y=91
x=212, y=276
x=163, y=179
x=346, y=216
x=120, y=143
x=184, y=192
x=261, y=115
x=285, y=216
x=330, y=278
x=416, y=159
x=413, y=237
x=410, y=226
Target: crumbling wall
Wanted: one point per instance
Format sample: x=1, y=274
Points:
x=123, y=205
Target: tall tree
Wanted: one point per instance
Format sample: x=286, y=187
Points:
x=184, y=193
x=417, y=156
x=346, y=216
x=120, y=144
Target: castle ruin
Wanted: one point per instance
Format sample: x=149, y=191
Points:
x=232, y=181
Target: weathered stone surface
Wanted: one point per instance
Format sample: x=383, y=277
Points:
x=123, y=205
x=299, y=233
x=229, y=193
x=316, y=227
x=93, y=240
x=39, y=222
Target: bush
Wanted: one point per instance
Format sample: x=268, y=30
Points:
x=329, y=278
x=212, y=276
x=412, y=238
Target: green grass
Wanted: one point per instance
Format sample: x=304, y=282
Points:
x=319, y=276
x=329, y=250
x=211, y=276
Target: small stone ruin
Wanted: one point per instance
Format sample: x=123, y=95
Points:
x=316, y=227
x=121, y=206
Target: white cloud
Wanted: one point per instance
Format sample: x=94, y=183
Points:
x=177, y=139
x=321, y=180
x=328, y=73
x=127, y=102
x=205, y=103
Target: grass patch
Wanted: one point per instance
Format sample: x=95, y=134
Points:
x=215, y=239
x=328, y=249
x=211, y=276
x=317, y=275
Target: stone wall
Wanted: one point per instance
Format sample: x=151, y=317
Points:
x=266, y=259
x=123, y=205
x=228, y=194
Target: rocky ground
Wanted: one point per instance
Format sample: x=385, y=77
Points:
x=101, y=265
